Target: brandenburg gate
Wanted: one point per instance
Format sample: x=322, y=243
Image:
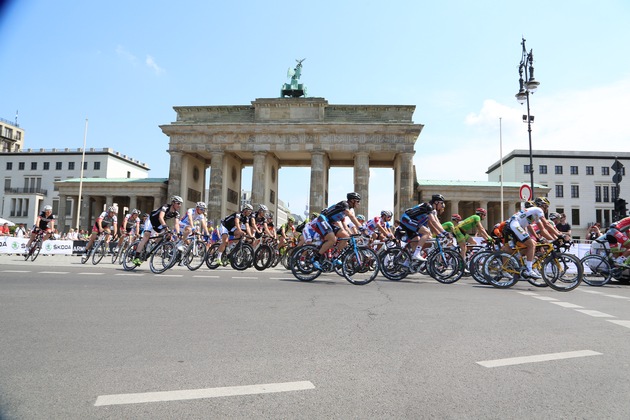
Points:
x=282, y=132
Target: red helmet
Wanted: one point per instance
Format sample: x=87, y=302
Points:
x=481, y=211
x=456, y=218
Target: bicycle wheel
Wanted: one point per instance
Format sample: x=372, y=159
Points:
x=475, y=266
x=394, y=264
x=117, y=252
x=562, y=272
x=100, y=249
x=129, y=255
x=242, y=257
x=210, y=254
x=163, y=257
x=597, y=270
x=360, y=266
x=36, y=248
x=301, y=263
x=446, y=267
x=121, y=251
x=263, y=257
x=502, y=270
x=195, y=255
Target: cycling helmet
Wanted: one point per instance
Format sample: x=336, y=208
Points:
x=176, y=199
x=145, y=215
x=361, y=217
x=481, y=211
x=387, y=213
x=315, y=215
x=201, y=205
x=353, y=196
x=529, y=204
x=48, y=208
x=290, y=219
x=111, y=208
x=135, y=211
x=553, y=215
x=262, y=207
x=437, y=197
x=541, y=201
x=247, y=207
x=456, y=218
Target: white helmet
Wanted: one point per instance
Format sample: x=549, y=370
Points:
x=201, y=205
x=176, y=199
x=48, y=208
x=248, y=207
x=111, y=208
x=262, y=207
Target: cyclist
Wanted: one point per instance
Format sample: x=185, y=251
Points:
x=235, y=225
x=619, y=241
x=194, y=218
x=157, y=222
x=463, y=229
x=519, y=228
x=271, y=228
x=44, y=222
x=379, y=227
x=104, y=223
x=420, y=221
x=130, y=226
x=330, y=226
x=258, y=224
x=450, y=225
x=286, y=232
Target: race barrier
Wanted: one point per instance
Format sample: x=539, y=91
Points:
x=11, y=245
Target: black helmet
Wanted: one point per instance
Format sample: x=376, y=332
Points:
x=353, y=196
x=437, y=197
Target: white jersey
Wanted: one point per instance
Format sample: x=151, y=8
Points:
x=528, y=216
x=192, y=218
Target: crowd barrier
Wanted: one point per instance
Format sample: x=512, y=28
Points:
x=11, y=245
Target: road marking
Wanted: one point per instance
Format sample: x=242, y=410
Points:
x=528, y=293
x=16, y=271
x=567, y=305
x=622, y=323
x=91, y=274
x=617, y=296
x=544, y=298
x=192, y=394
x=591, y=291
x=537, y=358
x=596, y=314
x=246, y=278
x=171, y=275
x=281, y=278
x=53, y=272
x=129, y=274
x=207, y=277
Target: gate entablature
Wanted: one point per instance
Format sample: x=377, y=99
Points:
x=276, y=132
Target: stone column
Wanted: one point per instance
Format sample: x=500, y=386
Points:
x=61, y=223
x=362, y=181
x=259, y=184
x=319, y=181
x=405, y=188
x=484, y=222
x=215, y=193
x=454, y=209
x=109, y=201
x=133, y=202
x=175, y=173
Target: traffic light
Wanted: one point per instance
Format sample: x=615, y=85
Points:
x=621, y=207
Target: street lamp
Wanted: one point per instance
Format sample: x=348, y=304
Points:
x=527, y=86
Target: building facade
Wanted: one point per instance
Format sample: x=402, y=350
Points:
x=11, y=136
x=580, y=183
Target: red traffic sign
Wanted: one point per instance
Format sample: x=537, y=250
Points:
x=525, y=192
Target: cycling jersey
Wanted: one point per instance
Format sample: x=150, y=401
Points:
x=131, y=225
x=44, y=221
x=336, y=212
x=153, y=222
x=230, y=221
x=106, y=220
x=415, y=217
x=372, y=225
x=192, y=218
x=518, y=223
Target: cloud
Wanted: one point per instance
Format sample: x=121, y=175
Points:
x=153, y=65
x=122, y=52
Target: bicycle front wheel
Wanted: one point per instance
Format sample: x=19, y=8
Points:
x=129, y=255
x=394, y=263
x=36, y=248
x=195, y=255
x=446, y=267
x=301, y=263
x=562, y=272
x=242, y=257
x=263, y=257
x=360, y=266
x=597, y=270
x=163, y=257
x=501, y=270
x=99, y=252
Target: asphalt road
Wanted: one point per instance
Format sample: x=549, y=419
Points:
x=95, y=342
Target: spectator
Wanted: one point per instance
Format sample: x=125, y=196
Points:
x=20, y=231
x=72, y=235
x=594, y=232
x=4, y=230
x=562, y=225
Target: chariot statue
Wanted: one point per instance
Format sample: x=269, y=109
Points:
x=294, y=89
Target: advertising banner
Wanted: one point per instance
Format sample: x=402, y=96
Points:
x=11, y=245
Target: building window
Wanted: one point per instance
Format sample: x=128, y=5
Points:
x=606, y=197
x=58, y=166
x=558, y=169
x=574, y=170
x=559, y=191
x=97, y=166
x=614, y=193
x=85, y=166
x=71, y=166
x=7, y=184
x=21, y=166
x=542, y=169
x=598, y=194
x=605, y=170
x=128, y=174
x=590, y=170
x=575, y=191
x=9, y=166
x=525, y=169
x=33, y=166
x=575, y=217
x=560, y=210
x=46, y=166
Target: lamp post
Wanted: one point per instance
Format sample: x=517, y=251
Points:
x=526, y=86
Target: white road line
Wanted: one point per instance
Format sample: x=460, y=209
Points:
x=547, y=298
x=596, y=314
x=53, y=272
x=528, y=293
x=91, y=274
x=171, y=275
x=567, y=305
x=207, y=277
x=16, y=271
x=129, y=274
x=617, y=296
x=622, y=323
x=282, y=278
x=246, y=278
x=192, y=394
x=537, y=358
x=591, y=291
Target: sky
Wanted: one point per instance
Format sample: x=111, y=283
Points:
x=123, y=66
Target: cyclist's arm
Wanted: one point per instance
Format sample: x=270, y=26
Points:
x=434, y=225
x=481, y=230
x=353, y=219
